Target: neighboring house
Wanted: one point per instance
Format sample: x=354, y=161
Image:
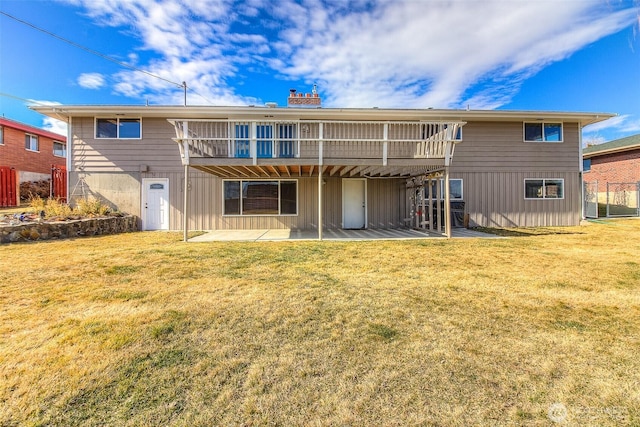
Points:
x=29, y=157
x=30, y=150
x=614, y=161
x=307, y=168
x=612, y=170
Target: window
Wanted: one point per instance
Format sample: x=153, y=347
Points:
x=543, y=132
x=260, y=197
x=31, y=142
x=119, y=128
x=544, y=189
x=59, y=149
x=586, y=165
x=1, y=135
x=455, y=189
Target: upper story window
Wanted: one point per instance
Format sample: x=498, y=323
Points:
x=543, y=132
x=118, y=128
x=1, y=135
x=586, y=165
x=59, y=149
x=31, y=142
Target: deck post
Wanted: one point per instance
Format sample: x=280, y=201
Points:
x=185, y=209
x=447, y=204
x=320, y=203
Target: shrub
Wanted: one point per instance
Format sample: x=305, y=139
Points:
x=91, y=207
x=54, y=208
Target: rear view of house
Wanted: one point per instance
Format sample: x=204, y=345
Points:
x=304, y=167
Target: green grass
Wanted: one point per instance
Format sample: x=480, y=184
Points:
x=143, y=329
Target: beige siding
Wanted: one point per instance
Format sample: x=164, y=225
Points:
x=156, y=151
x=496, y=199
x=492, y=160
x=499, y=147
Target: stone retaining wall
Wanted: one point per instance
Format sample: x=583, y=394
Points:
x=33, y=231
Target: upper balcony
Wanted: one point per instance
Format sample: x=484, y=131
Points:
x=389, y=147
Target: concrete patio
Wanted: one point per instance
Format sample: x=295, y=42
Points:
x=332, y=234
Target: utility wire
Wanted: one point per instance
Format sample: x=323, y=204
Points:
x=94, y=52
x=31, y=101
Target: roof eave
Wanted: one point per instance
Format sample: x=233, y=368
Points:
x=64, y=112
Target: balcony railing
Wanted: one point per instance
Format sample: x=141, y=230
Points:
x=316, y=141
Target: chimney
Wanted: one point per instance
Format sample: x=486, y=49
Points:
x=304, y=100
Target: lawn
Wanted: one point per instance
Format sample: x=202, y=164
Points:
x=143, y=329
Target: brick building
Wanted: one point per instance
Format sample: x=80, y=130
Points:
x=612, y=178
x=614, y=161
x=30, y=150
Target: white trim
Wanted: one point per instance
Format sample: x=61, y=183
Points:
x=37, y=142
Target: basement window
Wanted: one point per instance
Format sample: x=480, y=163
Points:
x=543, y=132
x=263, y=197
x=535, y=189
x=118, y=128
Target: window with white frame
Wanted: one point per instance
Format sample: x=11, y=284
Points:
x=1, y=135
x=118, y=128
x=31, y=142
x=542, y=132
x=261, y=197
x=535, y=189
x=59, y=149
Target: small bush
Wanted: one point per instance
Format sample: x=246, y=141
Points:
x=91, y=207
x=54, y=208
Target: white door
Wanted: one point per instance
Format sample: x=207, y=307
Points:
x=155, y=204
x=354, y=203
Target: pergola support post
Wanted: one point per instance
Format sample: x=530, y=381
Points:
x=185, y=208
x=447, y=204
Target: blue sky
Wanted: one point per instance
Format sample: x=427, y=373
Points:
x=559, y=55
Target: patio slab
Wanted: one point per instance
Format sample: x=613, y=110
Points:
x=331, y=234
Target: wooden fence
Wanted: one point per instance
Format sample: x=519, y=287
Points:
x=59, y=182
x=8, y=187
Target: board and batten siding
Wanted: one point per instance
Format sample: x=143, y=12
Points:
x=496, y=199
x=493, y=161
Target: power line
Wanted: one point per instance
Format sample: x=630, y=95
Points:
x=31, y=101
x=94, y=52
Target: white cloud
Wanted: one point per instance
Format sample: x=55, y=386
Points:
x=91, y=80
x=55, y=126
x=362, y=53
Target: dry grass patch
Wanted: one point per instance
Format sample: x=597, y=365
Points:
x=142, y=329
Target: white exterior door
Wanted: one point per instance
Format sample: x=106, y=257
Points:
x=155, y=204
x=354, y=203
